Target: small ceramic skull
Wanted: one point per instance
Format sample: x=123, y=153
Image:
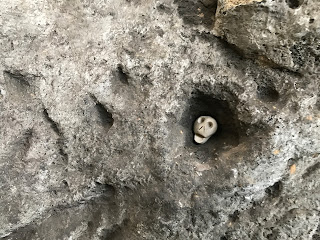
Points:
x=204, y=127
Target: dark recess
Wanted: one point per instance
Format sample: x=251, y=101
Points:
x=20, y=79
x=104, y=115
x=294, y=3
x=53, y=124
x=61, y=143
x=105, y=189
x=26, y=139
x=122, y=74
x=274, y=190
x=234, y=216
x=164, y=8
x=229, y=127
x=65, y=183
x=197, y=12
x=266, y=90
x=267, y=93
x=222, y=104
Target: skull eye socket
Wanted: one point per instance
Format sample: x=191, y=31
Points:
x=210, y=124
x=201, y=120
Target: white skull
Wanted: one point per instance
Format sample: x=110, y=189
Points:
x=204, y=127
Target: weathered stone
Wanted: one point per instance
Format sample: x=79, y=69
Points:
x=281, y=34
x=97, y=105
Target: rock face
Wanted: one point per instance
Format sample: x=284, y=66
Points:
x=97, y=104
x=282, y=34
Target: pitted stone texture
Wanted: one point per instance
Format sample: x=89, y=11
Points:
x=97, y=105
x=282, y=33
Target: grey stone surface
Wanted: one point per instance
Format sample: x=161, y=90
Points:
x=283, y=33
x=97, y=104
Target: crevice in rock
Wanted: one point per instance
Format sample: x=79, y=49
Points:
x=27, y=139
x=61, y=146
x=274, y=190
x=18, y=87
x=266, y=90
x=294, y=3
x=18, y=77
x=87, y=209
x=267, y=93
x=105, y=116
x=53, y=124
x=122, y=74
x=104, y=189
x=61, y=139
x=65, y=183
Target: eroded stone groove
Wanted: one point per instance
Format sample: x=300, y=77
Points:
x=105, y=116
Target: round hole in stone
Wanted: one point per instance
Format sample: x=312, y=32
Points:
x=294, y=3
x=230, y=128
